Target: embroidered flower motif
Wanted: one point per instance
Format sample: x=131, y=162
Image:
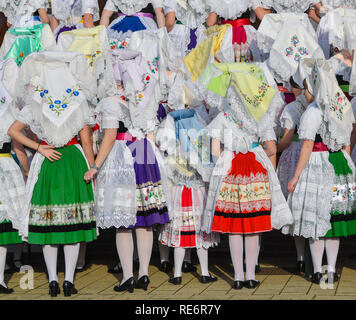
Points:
x=3, y=100
x=154, y=64
x=256, y=99
x=232, y=119
x=338, y=104
x=58, y=105
x=294, y=51
x=92, y=58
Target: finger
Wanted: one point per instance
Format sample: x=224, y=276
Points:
x=56, y=152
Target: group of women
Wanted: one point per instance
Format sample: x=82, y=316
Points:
x=189, y=118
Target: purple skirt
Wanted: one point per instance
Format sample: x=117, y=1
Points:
x=151, y=202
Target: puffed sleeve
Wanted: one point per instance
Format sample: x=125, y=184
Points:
x=310, y=122
x=288, y=117
x=25, y=115
x=91, y=7
x=157, y=4
x=110, y=112
x=110, y=6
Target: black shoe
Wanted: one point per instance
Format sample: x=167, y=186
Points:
x=188, y=267
x=5, y=290
x=116, y=269
x=257, y=268
x=175, y=280
x=208, y=279
x=142, y=283
x=238, y=285
x=54, y=288
x=300, y=267
x=317, y=277
x=166, y=267
x=128, y=285
x=69, y=289
x=251, y=284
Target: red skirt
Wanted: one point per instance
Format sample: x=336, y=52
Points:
x=244, y=202
x=188, y=233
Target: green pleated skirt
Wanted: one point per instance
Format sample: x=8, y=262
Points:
x=62, y=205
x=343, y=212
x=8, y=235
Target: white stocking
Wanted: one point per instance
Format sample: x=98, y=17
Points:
x=188, y=255
x=125, y=248
x=71, y=252
x=317, y=251
x=3, y=251
x=251, y=253
x=163, y=252
x=179, y=254
x=82, y=253
x=144, y=249
x=300, y=246
x=203, y=260
x=50, y=254
x=332, y=249
x=236, y=243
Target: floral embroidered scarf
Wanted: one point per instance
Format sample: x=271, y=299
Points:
x=87, y=41
x=247, y=79
x=28, y=40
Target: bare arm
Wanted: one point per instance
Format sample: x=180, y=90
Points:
x=43, y=15
x=15, y=132
x=261, y=12
x=86, y=139
x=22, y=156
x=88, y=20
x=271, y=151
x=54, y=23
x=161, y=19
x=170, y=20
x=105, y=17
x=304, y=156
x=212, y=20
x=347, y=149
x=286, y=140
x=216, y=148
x=105, y=148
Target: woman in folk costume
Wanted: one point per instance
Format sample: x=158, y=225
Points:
x=20, y=13
x=322, y=190
x=11, y=180
x=132, y=187
x=290, y=146
x=20, y=42
x=59, y=204
x=73, y=14
x=184, y=25
x=237, y=14
x=245, y=197
x=189, y=164
x=133, y=16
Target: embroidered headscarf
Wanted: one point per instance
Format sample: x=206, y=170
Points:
x=338, y=117
x=293, y=44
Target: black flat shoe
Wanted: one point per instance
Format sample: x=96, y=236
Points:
x=142, y=283
x=5, y=290
x=54, y=289
x=128, y=285
x=251, y=284
x=69, y=289
x=317, y=277
x=208, y=279
x=188, y=267
x=300, y=267
x=238, y=285
x=166, y=267
x=175, y=280
x=116, y=269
